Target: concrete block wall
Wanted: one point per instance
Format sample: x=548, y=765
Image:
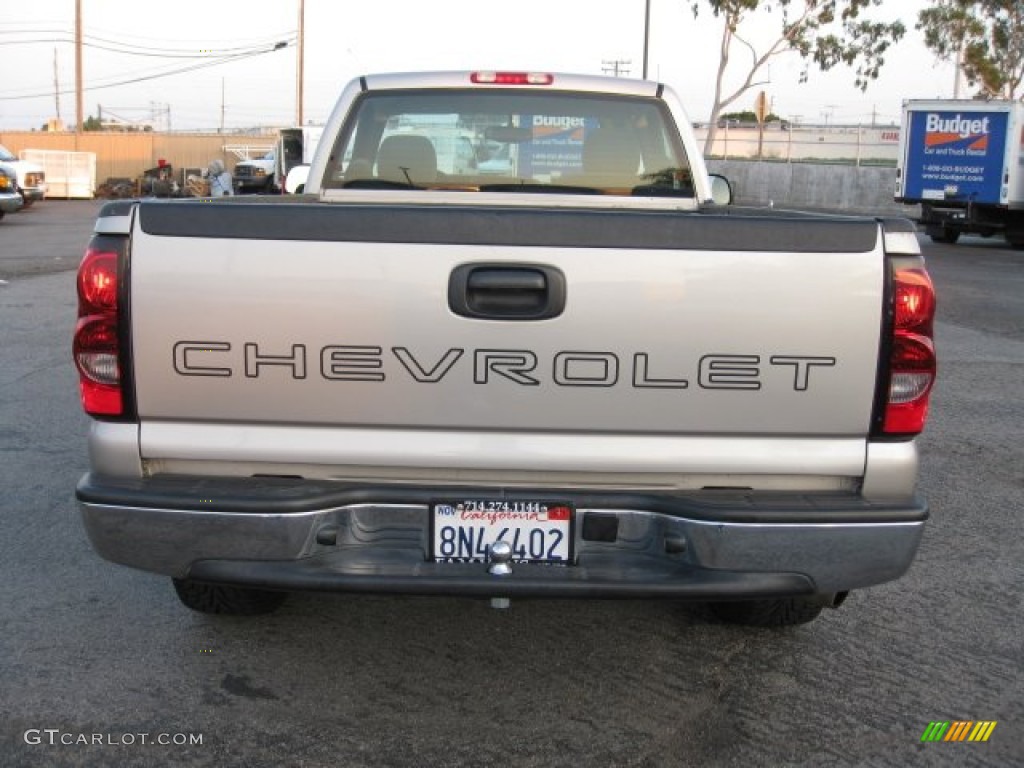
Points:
x=813, y=186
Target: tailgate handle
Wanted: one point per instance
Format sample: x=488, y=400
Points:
x=503, y=291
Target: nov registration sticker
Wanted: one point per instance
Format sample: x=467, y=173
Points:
x=538, y=531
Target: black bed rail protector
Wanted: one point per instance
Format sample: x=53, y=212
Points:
x=513, y=226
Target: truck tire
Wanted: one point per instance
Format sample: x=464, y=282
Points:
x=784, y=612
x=227, y=600
x=945, y=235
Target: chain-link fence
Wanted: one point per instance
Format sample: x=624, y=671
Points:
x=789, y=143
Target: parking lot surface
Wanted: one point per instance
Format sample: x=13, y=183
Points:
x=100, y=665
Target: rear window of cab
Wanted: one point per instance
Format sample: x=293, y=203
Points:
x=510, y=140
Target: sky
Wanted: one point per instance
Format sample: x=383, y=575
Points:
x=347, y=38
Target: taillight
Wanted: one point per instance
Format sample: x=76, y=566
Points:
x=97, y=283
x=512, y=78
x=96, y=344
x=912, y=363
x=914, y=301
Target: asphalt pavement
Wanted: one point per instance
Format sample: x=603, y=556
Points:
x=48, y=236
x=101, y=666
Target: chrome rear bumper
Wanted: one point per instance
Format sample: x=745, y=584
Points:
x=316, y=535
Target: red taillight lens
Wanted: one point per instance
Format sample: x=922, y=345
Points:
x=512, y=78
x=912, y=362
x=101, y=400
x=914, y=301
x=97, y=282
x=96, y=345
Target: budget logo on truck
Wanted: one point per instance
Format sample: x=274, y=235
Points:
x=955, y=156
x=956, y=135
x=556, y=148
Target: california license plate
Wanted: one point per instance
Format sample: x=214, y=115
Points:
x=537, y=531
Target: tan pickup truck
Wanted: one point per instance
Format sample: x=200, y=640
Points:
x=569, y=370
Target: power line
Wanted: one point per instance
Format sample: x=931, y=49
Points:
x=127, y=52
x=225, y=46
x=222, y=46
x=223, y=60
x=121, y=36
x=176, y=54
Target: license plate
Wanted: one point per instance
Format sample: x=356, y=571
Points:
x=538, y=531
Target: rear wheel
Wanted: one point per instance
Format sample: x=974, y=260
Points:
x=784, y=612
x=227, y=600
x=944, y=235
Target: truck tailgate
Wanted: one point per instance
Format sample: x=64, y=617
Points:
x=340, y=316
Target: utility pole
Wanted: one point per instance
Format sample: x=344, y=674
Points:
x=761, y=111
x=160, y=116
x=647, y=33
x=221, y=106
x=617, y=67
x=299, y=65
x=56, y=84
x=956, y=71
x=78, y=66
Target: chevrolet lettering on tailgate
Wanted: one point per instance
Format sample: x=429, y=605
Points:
x=567, y=369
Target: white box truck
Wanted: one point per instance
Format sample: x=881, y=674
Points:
x=68, y=174
x=963, y=162
x=295, y=149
